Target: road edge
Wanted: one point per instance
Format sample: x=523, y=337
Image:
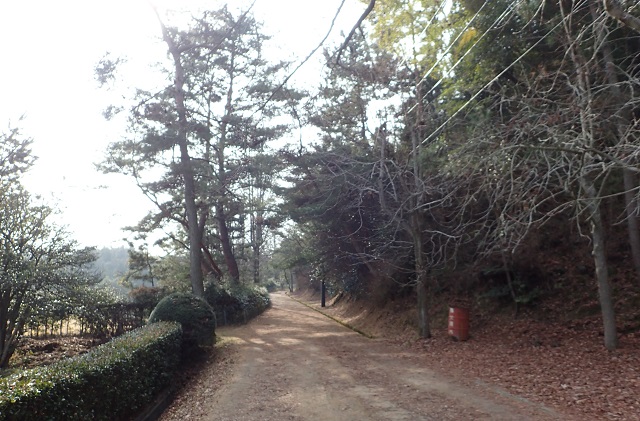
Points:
x=335, y=319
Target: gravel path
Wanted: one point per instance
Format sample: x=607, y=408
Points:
x=293, y=363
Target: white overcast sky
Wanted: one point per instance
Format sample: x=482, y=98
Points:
x=49, y=50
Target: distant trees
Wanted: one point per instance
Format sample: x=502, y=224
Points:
x=39, y=264
x=141, y=267
x=112, y=263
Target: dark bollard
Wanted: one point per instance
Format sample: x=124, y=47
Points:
x=324, y=294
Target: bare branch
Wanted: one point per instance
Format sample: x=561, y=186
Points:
x=615, y=10
x=364, y=15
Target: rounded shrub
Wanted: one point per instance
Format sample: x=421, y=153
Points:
x=147, y=297
x=236, y=303
x=194, y=314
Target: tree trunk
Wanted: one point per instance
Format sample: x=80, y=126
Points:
x=628, y=177
x=186, y=169
x=416, y=231
x=631, y=204
x=225, y=242
x=424, y=328
x=507, y=271
x=5, y=302
x=195, y=235
x=289, y=282
x=600, y=260
x=604, y=287
x=11, y=328
x=6, y=352
x=616, y=10
x=589, y=194
x=257, y=239
x=360, y=250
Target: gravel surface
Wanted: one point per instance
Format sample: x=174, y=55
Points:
x=292, y=363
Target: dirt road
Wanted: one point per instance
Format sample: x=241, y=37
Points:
x=293, y=363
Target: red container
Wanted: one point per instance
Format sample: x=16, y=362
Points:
x=459, y=323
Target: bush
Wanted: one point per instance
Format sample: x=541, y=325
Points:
x=111, y=382
x=236, y=303
x=147, y=297
x=196, y=316
x=272, y=286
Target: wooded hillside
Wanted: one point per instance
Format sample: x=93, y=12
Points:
x=490, y=146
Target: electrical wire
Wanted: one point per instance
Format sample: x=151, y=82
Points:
x=501, y=17
x=284, y=82
x=452, y=43
x=499, y=75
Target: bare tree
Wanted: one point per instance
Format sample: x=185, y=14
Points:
x=560, y=139
x=623, y=120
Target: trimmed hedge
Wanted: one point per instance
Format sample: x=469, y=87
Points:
x=237, y=303
x=194, y=314
x=114, y=381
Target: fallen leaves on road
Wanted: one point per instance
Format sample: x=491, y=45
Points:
x=199, y=381
x=560, y=366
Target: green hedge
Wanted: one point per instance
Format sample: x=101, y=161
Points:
x=236, y=303
x=194, y=314
x=111, y=382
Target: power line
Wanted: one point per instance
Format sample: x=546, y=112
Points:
x=284, y=82
x=433, y=18
x=451, y=44
x=502, y=16
x=433, y=134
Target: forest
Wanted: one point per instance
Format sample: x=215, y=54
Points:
x=449, y=148
x=447, y=142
